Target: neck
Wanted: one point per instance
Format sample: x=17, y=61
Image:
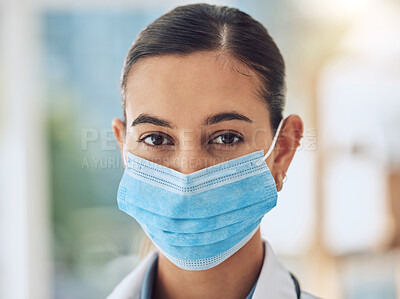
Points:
x=233, y=278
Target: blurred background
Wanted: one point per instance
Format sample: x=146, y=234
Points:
x=337, y=223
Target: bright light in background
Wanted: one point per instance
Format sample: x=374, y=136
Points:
x=359, y=97
x=376, y=33
x=355, y=205
x=349, y=6
x=338, y=9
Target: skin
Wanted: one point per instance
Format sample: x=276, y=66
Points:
x=184, y=91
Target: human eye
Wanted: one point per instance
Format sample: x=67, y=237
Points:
x=227, y=139
x=155, y=140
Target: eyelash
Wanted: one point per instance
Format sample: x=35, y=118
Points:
x=150, y=145
x=240, y=140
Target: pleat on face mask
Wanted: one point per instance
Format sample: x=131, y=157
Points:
x=200, y=219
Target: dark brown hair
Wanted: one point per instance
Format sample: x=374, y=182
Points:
x=203, y=27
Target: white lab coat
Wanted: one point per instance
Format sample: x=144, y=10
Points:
x=274, y=281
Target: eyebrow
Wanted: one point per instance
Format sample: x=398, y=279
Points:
x=146, y=118
x=225, y=116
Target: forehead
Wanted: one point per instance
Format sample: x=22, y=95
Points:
x=189, y=87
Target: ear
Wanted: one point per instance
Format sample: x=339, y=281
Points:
x=285, y=148
x=118, y=127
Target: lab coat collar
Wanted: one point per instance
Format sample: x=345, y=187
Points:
x=274, y=280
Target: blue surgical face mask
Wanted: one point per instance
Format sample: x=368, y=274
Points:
x=200, y=219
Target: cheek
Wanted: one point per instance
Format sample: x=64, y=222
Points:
x=270, y=163
x=272, y=166
x=260, y=139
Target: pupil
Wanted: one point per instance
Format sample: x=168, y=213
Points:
x=157, y=139
x=227, y=138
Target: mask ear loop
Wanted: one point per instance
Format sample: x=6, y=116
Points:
x=259, y=162
x=123, y=153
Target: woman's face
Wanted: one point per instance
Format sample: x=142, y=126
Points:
x=191, y=112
